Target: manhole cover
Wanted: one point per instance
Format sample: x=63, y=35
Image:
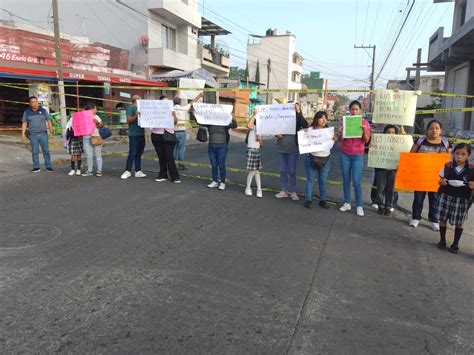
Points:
x=17, y=236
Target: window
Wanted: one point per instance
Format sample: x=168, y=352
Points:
x=168, y=37
x=295, y=77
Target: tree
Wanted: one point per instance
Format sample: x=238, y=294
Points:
x=257, y=73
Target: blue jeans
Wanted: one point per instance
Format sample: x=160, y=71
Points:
x=180, y=146
x=352, y=166
x=37, y=139
x=288, y=171
x=311, y=175
x=136, y=147
x=418, y=201
x=90, y=151
x=217, y=156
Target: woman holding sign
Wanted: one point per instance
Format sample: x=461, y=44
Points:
x=355, y=134
x=287, y=146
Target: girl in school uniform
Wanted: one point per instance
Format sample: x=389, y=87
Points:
x=254, y=160
x=74, y=149
x=456, y=182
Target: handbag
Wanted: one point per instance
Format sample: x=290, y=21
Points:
x=318, y=162
x=105, y=132
x=202, y=134
x=97, y=140
x=169, y=138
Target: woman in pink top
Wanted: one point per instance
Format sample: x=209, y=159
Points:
x=352, y=161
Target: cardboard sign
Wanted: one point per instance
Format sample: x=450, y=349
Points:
x=352, y=126
x=276, y=119
x=212, y=114
x=315, y=140
x=188, y=84
x=420, y=171
x=83, y=123
x=155, y=113
x=395, y=107
x=385, y=149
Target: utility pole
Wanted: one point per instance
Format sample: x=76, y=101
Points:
x=372, y=75
x=59, y=64
x=269, y=70
x=418, y=65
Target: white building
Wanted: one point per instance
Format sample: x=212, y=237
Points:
x=286, y=65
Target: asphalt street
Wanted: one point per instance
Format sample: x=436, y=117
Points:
x=102, y=265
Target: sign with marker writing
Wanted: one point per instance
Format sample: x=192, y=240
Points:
x=385, y=149
x=276, y=119
x=155, y=113
x=395, y=107
x=315, y=140
x=213, y=114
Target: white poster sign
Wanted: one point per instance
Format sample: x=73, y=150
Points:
x=155, y=113
x=212, y=114
x=385, y=149
x=315, y=140
x=276, y=119
x=190, y=84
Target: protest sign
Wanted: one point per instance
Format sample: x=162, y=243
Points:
x=212, y=114
x=155, y=113
x=385, y=149
x=276, y=119
x=83, y=123
x=352, y=126
x=395, y=107
x=420, y=171
x=189, y=84
x=315, y=140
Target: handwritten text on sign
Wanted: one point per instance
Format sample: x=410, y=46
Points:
x=276, y=119
x=315, y=140
x=83, y=123
x=155, y=113
x=420, y=171
x=385, y=149
x=395, y=107
x=213, y=115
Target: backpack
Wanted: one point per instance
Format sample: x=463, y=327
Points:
x=420, y=140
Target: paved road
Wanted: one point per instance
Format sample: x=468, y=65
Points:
x=105, y=265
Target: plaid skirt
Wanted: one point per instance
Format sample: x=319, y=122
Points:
x=452, y=209
x=254, y=161
x=74, y=146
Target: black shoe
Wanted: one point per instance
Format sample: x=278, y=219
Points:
x=35, y=170
x=323, y=204
x=387, y=213
x=49, y=169
x=381, y=211
x=453, y=249
x=442, y=246
x=182, y=167
x=308, y=204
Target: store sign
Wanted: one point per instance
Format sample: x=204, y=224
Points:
x=14, y=57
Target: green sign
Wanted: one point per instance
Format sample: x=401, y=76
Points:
x=352, y=127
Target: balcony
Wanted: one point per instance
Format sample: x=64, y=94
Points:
x=177, y=12
x=167, y=58
x=215, y=61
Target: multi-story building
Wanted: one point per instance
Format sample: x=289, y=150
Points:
x=455, y=56
x=277, y=52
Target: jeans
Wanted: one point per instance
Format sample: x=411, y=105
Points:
x=90, y=151
x=352, y=166
x=164, y=151
x=288, y=171
x=311, y=175
x=385, y=183
x=417, y=207
x=217, y=156
x=180, y=146
x=136, y=147
x=37, y=139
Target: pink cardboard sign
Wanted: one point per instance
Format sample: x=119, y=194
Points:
x=83, y=123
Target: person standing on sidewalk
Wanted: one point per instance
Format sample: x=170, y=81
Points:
x=93, y=144
x=254, y=159
x=38, y=122
x=136, y=142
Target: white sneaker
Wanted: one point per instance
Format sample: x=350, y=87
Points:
x=375, y=206
x=248, y=192
x=140, y=174
x=259, y=194
x=360, y=211
x=78, y=173
x=213, y=184
x=345, y=207
x=71, y=173
x=435, y=226
x=126, y=174
x=414, y=223
x=221, y=186
x=392, y=209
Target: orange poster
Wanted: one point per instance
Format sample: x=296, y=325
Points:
x=420, y=171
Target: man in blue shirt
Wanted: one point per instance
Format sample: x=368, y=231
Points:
x=38, y=122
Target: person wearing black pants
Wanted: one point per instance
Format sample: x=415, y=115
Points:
x=385, y=182
x=165, y=156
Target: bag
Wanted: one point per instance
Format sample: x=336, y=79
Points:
x=318, y=162
x=97, y=140
x=202, y=134
x=169, y=138
x=105, y=132
x=69, y=133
